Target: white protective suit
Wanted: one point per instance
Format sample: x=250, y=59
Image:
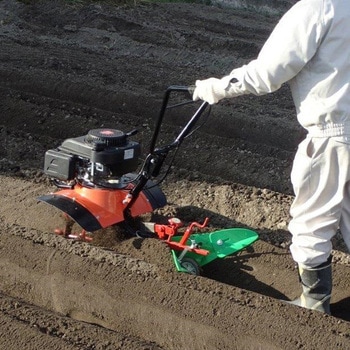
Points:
x=310, y=49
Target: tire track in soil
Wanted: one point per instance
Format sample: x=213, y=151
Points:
x=132, y=288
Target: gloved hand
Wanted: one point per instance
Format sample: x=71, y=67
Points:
x=212, y=90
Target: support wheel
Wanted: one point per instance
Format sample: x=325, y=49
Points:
x=191, y=266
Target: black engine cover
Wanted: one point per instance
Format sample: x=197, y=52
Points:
x=108, y=147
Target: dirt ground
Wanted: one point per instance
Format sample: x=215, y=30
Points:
x=67, y=69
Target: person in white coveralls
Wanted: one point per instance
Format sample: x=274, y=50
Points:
x=310, y=49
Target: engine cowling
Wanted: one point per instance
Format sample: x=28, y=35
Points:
x=103, y=157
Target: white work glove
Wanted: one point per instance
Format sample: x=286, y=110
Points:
x=213, y=90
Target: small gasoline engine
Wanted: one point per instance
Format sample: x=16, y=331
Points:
x=102, y=158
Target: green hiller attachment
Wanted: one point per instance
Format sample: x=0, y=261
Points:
x=191, y=251
x=219, y=244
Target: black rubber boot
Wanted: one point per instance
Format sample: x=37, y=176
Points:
x=317, y=287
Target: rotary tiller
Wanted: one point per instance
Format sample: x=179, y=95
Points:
x=99, y=186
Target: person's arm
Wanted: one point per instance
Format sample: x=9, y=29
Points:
x=290, y=46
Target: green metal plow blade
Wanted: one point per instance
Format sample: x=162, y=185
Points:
x=220, y=244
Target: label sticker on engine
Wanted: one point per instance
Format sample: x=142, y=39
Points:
x=128, y=154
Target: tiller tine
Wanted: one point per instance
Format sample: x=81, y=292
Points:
x=68, y=233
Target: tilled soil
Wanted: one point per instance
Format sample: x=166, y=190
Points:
x=66, y=69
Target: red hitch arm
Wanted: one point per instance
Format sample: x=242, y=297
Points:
x=190, y=228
